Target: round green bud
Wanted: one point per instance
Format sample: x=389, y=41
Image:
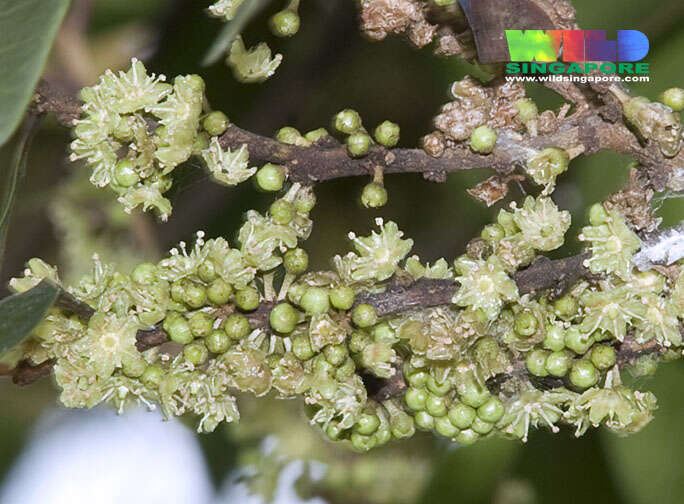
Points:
x=436, y=388
x=247, y=299
x=219, y=292
x=342, y=297
x=358, y=144
x=597, y=214
x=481, y=427
x=201, y=324
x=296, y=291
x=525, y=323
x=374, y=195
x=558, y=363
x=152, y=376
x=195, y=353
x=367, y=424
x=305, y=201
x=195, y=82
x=216, y=123
x=418, y=379
x=282, y=211
x=416, y=398
x=536, y=362
x=195, y=295
x=283, y=318
x=177, y=291
x=125, y=174
x=387, y=134
x=179, y=331
x=436, y=405
x=347, y=121
x=473, y=394
x=583, y=374
x=335, y=354
x=315, y=300
x=346, y=370
x=383, y=332
x=284, y=23
x=462, y=415
x=424, y=420
x=646, y=365
x=270, y=177
x=217, y=342
x=133, y=367
x=301, y=347
x=296, y=261
x=603, y=356
x=314, y=136
x=383, y=435
x=289, y=135
x=361, y=442
x=467, y=437
x=673, y=98
x=552, y=160
x=554, y=339
x=576, y=341
x=322, y=366
x=565, y=307
x=444, y=427
x=145, y=274
x=527, y=110
x=506, y=221
x=493, y=232
x=491, y=411
x=334, y=431
x=237, y=326
x=402, y=425
x=483, y=139
x=358, y=341
x=364, y=315
x=207, y=271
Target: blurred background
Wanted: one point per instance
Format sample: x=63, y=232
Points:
x=50, y=455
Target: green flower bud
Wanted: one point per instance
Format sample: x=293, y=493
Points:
x=179, y=331
x=295, y=292
x=436, y=388
x=576, y=341
x=145, y=274
x=346, y=370
x=296, y=261
x=358, y=144
x=284, y=23
x=335, y=354
x=525, y=323
x=424, y=420
x=283, y=318
x=282, y=211
x=481, y=427
x=152, y=376
x=217, y=342
x=201, y=324
x=583, y=374
x=383, y=435
x=473, y=394
x=527, y=110
x=247, y=299
x=315, y=300
x=367, y=424
x=334, y=431
x=558, y=363
x=554, y=339
x=597, y=214
x=358, y=341
x=483, y=139
x=493, y=233
x=462, y=415
x=342, y=297
x=673, y=98
x=195, y=295
x=125, y=174
x=289, y=135
x=237, y=326
x=374, y=195
x=195, y=353
x=387, y=134
x=219, y=292
x=603, y=356
x=491, y=411
x=177, y=291
x=536, y=362
x=347, y=121
x=402, y=425
x=305, y=202
x=133, y=367
x=436, y=405
x=364, y=315
x=547, y=165
x=270, y=177
x=444, y=427
x=301, y=347
x=565, y=307
x=416, y=399
x=314, y=136
x=216, y=123
x=467, y=437
x=418, y=379
x=207, y=271
x=507, y=222
x=361, y=442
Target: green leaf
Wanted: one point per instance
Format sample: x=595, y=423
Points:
x=21, y=313
x=245, y=13
x=27, y=30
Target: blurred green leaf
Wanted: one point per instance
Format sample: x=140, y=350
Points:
x=245, y=13
x=27, y=30
x=21, y=313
